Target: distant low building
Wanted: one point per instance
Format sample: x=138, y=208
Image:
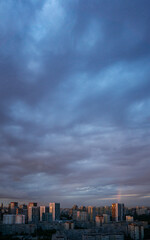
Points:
x=136, y=231
x=10, y=229
x=99, y=220
x=141, y=210
x=106, y=218
x=82, y=216
x=99, y=236
x=9, y=219
x=13, y=219
x=129, y=219
x=20, y=219
x=59, y=236
x=74, y=214
x=69, y=225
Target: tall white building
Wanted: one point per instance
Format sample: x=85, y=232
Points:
x=30, y=211
x=54, y=208
x=117, y=212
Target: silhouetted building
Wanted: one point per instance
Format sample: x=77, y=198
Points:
x=91, y=213
x=13, y=206
x=75, y=207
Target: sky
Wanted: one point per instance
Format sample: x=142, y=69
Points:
x=75, y=101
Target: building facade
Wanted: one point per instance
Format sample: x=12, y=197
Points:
x=117, y=212
x=54, y=209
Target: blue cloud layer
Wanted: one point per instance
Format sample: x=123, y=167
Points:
x=74, y=101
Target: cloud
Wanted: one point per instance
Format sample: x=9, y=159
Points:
x=74, y=100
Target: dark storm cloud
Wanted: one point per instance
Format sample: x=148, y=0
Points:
x=74, y=101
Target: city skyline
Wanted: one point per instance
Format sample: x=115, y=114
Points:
x=51, y=222
x=74, y=102
x=46, y=204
